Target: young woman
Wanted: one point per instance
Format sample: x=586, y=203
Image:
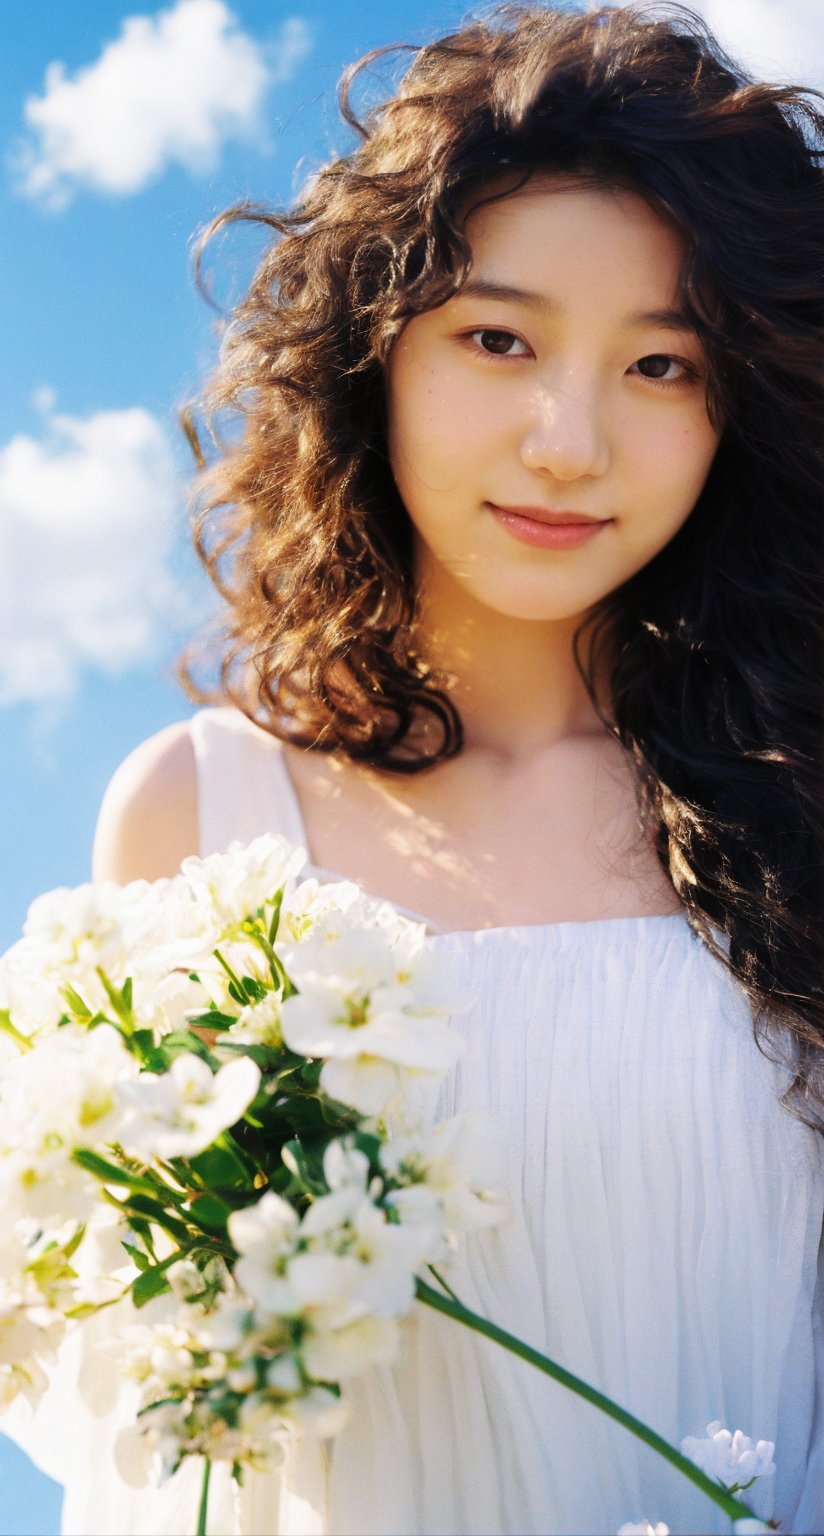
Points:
x=521, y=546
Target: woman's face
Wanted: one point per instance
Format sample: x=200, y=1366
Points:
x=548, y=384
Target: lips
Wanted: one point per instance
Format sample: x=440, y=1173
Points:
x=545, y=515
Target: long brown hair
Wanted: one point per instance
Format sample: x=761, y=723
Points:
x=715, y=648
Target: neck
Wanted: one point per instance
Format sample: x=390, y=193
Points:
x=514, y=682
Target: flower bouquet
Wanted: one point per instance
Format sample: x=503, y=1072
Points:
x=214, y=1095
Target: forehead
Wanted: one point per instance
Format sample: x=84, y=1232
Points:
x=558, y=228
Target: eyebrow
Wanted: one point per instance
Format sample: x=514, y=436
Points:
x=487, y=288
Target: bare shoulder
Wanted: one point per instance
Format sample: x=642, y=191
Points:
x=148, y=819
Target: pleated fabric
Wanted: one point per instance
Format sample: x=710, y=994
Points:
x=663, y=1242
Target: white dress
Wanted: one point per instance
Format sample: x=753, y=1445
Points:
x=664, y=1244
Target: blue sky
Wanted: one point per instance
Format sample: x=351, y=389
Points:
x=123, y=128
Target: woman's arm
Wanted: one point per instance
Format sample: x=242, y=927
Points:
x=148, y=816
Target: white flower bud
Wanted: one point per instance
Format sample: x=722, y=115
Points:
x=643, y=1528
x=283, y=1376
x=732, y=1459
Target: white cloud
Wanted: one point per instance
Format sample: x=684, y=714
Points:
x=89, y=518
x=774, y=39
x=171, y=89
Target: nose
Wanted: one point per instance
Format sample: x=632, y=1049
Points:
x=565, y=433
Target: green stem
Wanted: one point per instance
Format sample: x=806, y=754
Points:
x=117, y=1000
x=230, y=973
x=204, y=1498
x=279, y=975
x=7, y=1028
x=735, y=1508
x=443, y=1284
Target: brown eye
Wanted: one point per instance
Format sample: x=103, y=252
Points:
x=498, y=343
x=659, y=362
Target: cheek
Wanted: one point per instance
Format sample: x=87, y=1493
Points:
x=677, y=461
x=435, y=427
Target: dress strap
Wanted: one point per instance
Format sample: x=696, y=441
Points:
x=243, y=784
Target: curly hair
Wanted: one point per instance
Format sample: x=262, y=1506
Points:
x=713, y=651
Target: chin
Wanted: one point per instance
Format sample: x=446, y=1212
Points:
x=532, y=607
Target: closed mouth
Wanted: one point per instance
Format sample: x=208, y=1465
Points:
x=545, y=515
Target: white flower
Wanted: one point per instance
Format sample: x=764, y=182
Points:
x=67, y=923
x=450, y=1174
x=54, y=1098
x=22, y=1330
x=345, y=1167
x=180, y=1112
x=264, y=1235
x=378, y=1256
x=365, y=1083
x=367, y=1265
x=320, y=1411
x=101, y=1262
x=353, y=1260
x=332, y=1354
x=324, y=909
x=750, y=1527
x=134, y=1455
x=231, y=1327
x=731, y=1459
x=235, y=884
x=69, y=934
x=261, y=1416
x=257, y=1024
x=29, y=1336
x=33, y=999
x=150, y=1450
x=351, y=1010
x=343, y=1260
x=643, y=1528
x=179, y=934
x=139, y=1341
x=167, y=1001
x=190, y=1281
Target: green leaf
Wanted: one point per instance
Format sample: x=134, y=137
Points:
x=85, y=1309
x=152, y=1208
x=151, y=1283
x=70, y=1248
x=112, y=1173
x=96, y=1019
x=220, y=1167
x=309, y=1075
x=179, y=1041
x=212, y=1018
x=340, y=1117
x=136, y=1254
x=142, y=1043
x=267, y=1057
x=371, y=1146
x=142, y=1229
x=118, y=997
x=284, y=1077
x=210, y=1213
x=300, y=1112
x=80, y=1009
x=277, y=903
x=281, y=1180
x=306, y=1163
